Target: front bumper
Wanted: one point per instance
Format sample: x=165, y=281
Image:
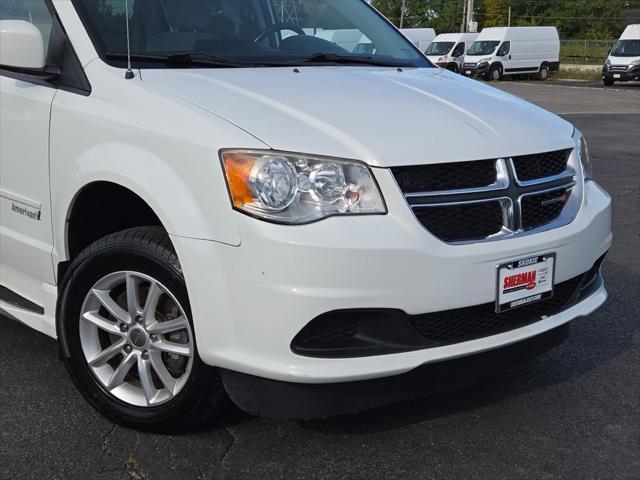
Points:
x=249, y=302
x=477, y=70
x=622, y=76
x=276, y=399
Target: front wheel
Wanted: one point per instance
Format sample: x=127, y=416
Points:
x=494, y=74
x=608, y=81
x=128, y=338
x=543, y=73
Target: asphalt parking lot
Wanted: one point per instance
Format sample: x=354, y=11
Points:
x=573, y=413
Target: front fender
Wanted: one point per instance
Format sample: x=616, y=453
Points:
x=161, y=148
x=183, y=200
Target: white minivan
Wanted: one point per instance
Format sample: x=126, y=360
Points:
x=421, y=37
x=232, y=213
x=448, y=49
x=502, y=51
x=623, y=63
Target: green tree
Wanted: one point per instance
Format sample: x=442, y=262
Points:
x=495, y=13
x=442, y=15
x=581, y=19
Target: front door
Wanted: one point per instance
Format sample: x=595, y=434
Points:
x=26, y=239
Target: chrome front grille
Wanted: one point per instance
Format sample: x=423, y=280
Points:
x=488, y=200
x=618, y=68
x=469, y=65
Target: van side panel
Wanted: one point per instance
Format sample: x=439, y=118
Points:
x=531, y=47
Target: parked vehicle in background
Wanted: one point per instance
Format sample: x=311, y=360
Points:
x=421, y=37
x=448, y=49
x=500, y=51
x=623, y=63
x=349, y=39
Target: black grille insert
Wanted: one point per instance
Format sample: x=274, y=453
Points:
x=454, y=326
x=534, y=167
x=544, y=208
x=454, y=223
x=446, y=176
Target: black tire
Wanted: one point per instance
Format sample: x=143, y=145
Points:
x=494, y=74
x=147, y=250
x=453, y=67
x=608, y=81
x=543, y=73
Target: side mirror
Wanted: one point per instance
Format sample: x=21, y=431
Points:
x=21, y=45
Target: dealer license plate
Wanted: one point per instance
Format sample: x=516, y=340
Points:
x=468, y=72
x=525, y=281
x=616, y=75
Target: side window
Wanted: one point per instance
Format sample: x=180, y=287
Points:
x=459, y=50
x=32, y=11
x=505, y=48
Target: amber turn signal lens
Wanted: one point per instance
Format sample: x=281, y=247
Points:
x=238, y=168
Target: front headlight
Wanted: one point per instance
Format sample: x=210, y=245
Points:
x=635, y=63
x=295, y=189
x=583, y=153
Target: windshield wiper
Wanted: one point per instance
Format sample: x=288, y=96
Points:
x=183, y=60
x=198, y=59
x=353, y=60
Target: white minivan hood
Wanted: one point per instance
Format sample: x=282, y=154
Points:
x=382, y=116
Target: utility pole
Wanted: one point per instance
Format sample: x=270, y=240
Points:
x=469, y=14
x=463, y=27
x=509, y=24
x=404, y=4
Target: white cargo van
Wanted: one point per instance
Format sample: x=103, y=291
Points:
x=623, y=63
x=502, y=51
x=448, y=49
x=421, y=37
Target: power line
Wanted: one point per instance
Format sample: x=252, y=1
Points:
x=557, y=18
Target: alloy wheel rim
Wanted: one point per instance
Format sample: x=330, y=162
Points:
x=136, y=339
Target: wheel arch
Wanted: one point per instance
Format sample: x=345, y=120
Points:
x=185, y=189
x=497, y=63
x=103, y=207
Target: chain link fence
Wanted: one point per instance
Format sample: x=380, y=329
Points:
x=585, y=52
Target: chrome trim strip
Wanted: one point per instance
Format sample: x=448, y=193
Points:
x=568, y=173
x=461, y=202
x=566, y=186
x=502, y=182
x=14, y=197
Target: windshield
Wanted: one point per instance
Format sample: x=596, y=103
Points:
x=245, y=33
x=626, y=48
x=439, y=48
x=483, y=48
